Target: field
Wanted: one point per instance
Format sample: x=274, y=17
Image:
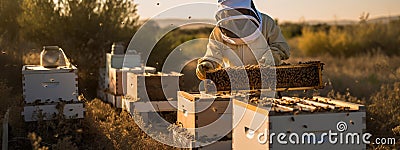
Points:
x=362, y=65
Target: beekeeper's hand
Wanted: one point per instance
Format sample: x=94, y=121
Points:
x=202, y=68
x=271, y=58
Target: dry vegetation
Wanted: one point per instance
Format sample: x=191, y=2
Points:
x=103, y=128
x=383, y=114
x=362, y=64
x=351, y=40
x=362, y=75
x=110, y=129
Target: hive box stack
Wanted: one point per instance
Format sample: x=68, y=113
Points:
x=46, y=89
x=113, y=79
x=115, y=87
x=159, y=90
x=51, y=88
x=149, y=95
x=288, y=116
x=118, y=64
x=206, y=118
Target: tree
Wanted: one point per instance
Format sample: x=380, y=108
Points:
x=9, y=10
x=84, y=29
x=40, y=22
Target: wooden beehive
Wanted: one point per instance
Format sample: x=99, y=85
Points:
x=115, y=81
x=49, y=85
x=295, y=116
x=46, y=91
x=153, y=87
x=206, y=117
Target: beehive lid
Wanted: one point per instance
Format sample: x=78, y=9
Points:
x=161, y=74
x=29, y=69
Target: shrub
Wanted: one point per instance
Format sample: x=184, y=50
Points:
x=384, y=110
x=106, y=128
x=363, y=75
x=351, y=40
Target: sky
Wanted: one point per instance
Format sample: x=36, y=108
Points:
x=284, y=10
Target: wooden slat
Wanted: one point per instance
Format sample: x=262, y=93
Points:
x=352, y=106
x=284, y=101
x=277, y=89
x=187, y=95
x=283, y=108
x=319, y=104
x=289, y=98
x=311, y=108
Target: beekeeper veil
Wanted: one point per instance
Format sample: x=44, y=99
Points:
x=238, y=20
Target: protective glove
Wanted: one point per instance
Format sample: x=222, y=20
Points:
x=202, y=68
x=267, y=60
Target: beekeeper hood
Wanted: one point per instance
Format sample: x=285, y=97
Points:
x=238, y=20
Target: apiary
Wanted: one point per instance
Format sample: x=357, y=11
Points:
x=297, y=122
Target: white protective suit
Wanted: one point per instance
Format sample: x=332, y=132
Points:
x=258, y=41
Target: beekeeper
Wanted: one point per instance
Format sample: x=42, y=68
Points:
x=242, y=36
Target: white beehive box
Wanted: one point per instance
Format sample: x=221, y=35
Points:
x=205, y=116
x=113, y=65
x=49, y=85
x=115, y=81
x=131, y=105
x=191, y=144
x=131, y=59
x=49, y=112
x=127, y=104
x=115, y=100
x=252, y=121
x=111, y=99
x=118, y=102
x=117, y=59
x=156, y=90
x=114, y=61
x=117, y=78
